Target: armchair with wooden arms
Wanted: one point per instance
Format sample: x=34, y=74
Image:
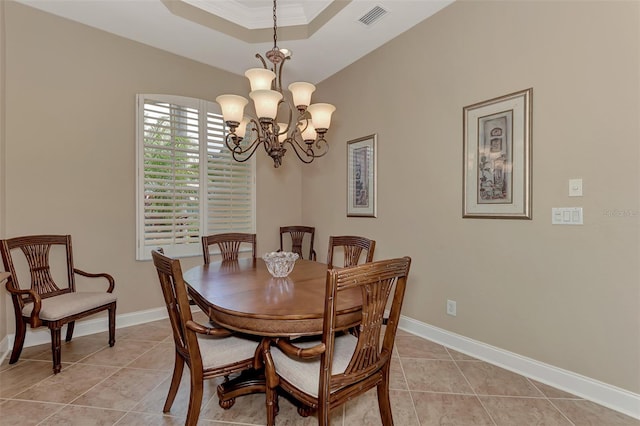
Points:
x=327, y=373
x=208, y=352
x=297, y=234
x=45, y=302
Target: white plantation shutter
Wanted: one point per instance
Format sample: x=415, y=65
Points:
x=188, y=184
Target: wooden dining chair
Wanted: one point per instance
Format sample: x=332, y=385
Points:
x=297, y=234
x=325, y=374
x=51, y=299
x=353, y=247
x=208, y=352
x=229, y=245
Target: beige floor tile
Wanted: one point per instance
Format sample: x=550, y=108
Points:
x=137, y=419
x=76, y=349
x=417, y=347
x=24, y=375
x=145, y=332
x=67, y=385
x=288, y=415
x=364, y=411
x=551, y=392
x=508, y=410
x=251, y=409
x=26, y=413
x=121, y=354
x=36, y=352
x=487, y=379
x=123, y=390
x=587, y=413
x=247, y=409
x=434, y=376
x=104, y=389
x=449, y=410
x=459, y=356
x=153, y=402
x=397, y=380
x=83, y=416
x=160, y=357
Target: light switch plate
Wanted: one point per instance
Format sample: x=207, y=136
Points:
x=566, y=216
x=575, y=187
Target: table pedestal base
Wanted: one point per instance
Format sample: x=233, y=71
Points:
x=248, y=382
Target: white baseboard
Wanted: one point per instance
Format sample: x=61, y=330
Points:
x=601, y=393
x=42, y=335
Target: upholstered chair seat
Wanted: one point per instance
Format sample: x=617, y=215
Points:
x=65, y=305
x=216, y=351
x=305, y=374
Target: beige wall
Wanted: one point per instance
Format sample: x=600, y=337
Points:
x=70, y=146
x=3, y=294
x=565, y=295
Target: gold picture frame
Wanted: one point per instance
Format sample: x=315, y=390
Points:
x=362, y=177
x=497, y=157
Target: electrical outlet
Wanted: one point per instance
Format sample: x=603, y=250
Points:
x=451, y=307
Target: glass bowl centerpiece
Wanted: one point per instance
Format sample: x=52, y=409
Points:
x=280, y=263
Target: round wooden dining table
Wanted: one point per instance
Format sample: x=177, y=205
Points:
x=243, y=296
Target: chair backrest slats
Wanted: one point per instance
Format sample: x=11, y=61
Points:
x=36, y=250
x=353, y=247
x=297, y=234
x=229, y=245
x=376, y=282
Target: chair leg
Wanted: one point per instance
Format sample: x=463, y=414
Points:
x=195, y=400
x=178, y=368
x=272, y=405
x=56, y=348
x=112, y=325
x=21, y=332
x=70, y=327
x=384, y=403
x=323, y=413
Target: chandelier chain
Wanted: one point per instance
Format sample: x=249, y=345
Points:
x=275, y=26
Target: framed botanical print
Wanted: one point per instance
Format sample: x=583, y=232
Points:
x=497, y=157
x=361, y=177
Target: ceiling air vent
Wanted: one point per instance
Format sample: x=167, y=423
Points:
x=372, y=16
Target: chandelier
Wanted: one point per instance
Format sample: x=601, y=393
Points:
x=305, y=127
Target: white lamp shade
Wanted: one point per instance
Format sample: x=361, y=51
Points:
x=242, y=128
x=309, y=133
x=301, y=92
x=283, y=136
x=266, y=102
x=232, y=107
x=321, y=115
x=260, y=78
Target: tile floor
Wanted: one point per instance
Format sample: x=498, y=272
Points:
x=127, y=385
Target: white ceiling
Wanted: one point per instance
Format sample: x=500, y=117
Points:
x=323, y=50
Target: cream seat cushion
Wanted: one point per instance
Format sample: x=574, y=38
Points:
x=216, y=351
x=64, y=305
x=305, y=374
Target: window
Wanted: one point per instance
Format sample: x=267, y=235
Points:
x=188, y=185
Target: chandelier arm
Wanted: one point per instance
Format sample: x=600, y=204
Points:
x=280, y=74
x=319, y=142
x=264, y=63
x=295, y=145
x=236, y=149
